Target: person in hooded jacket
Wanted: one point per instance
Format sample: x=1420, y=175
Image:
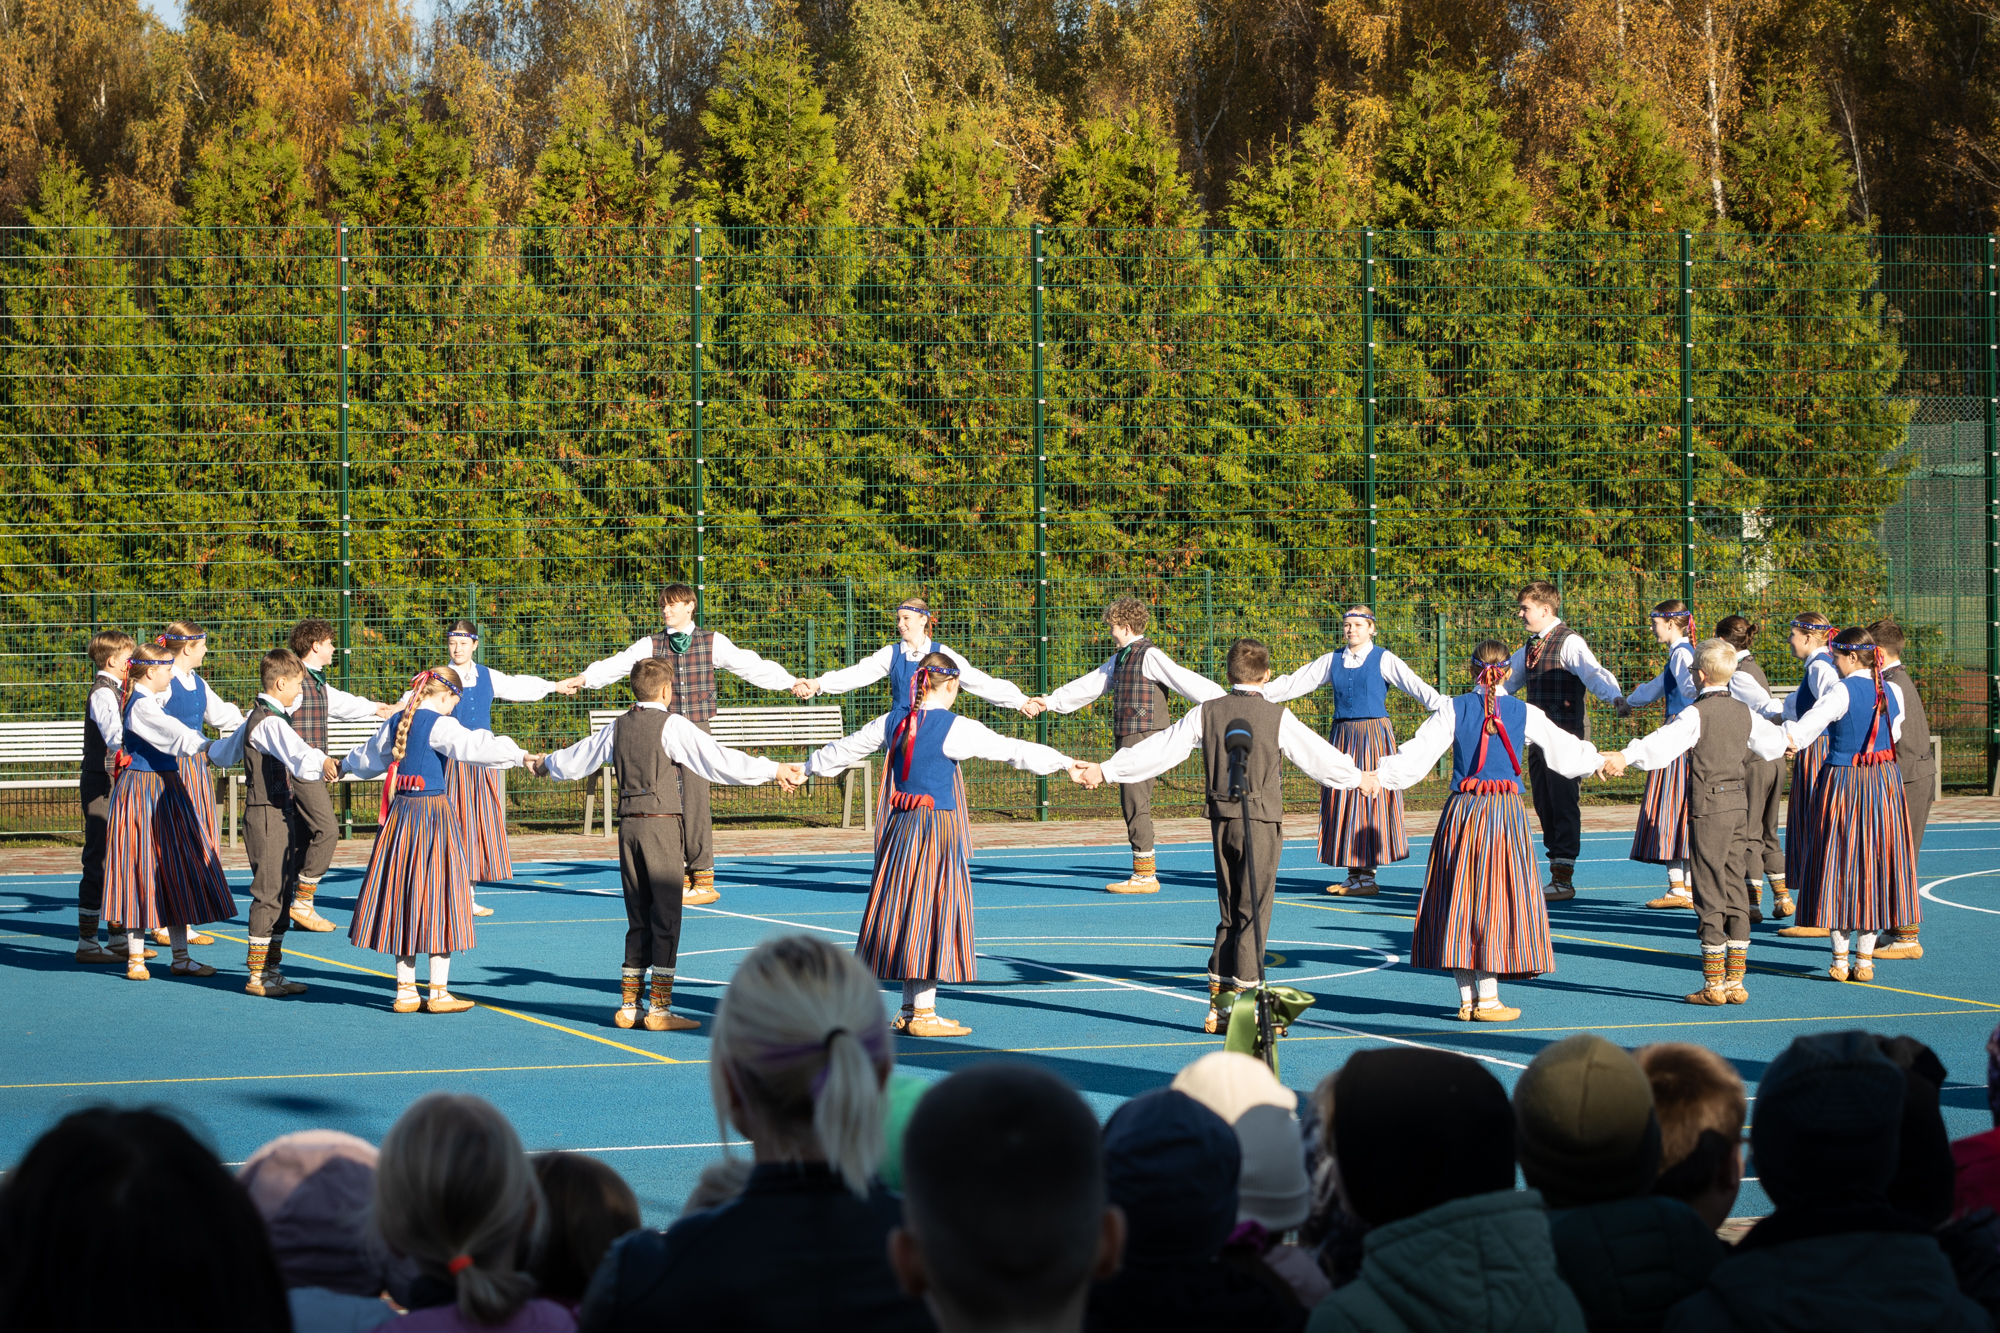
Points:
x=1926, y=1177
x=1423, y=1141
x=314, y=1189
x=1837, y=1254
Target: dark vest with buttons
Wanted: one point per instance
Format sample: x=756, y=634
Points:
x=1716, y=764
x=266, y=779
x=1913, y=747
x=1141, y=703
x=694, y=674
x=95, y=748
x=1747, y=664
x=1263, y=771
x=310, y=720
x=647, y=781
x=1554, y=688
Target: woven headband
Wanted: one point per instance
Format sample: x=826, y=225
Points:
x=424, y=677
x=914, y=606
x=1813, y=626
x=178, y=638
x=1851, y=647
x=1368, y=616
x=1670, y=615
x=459, y=634
x=139, y=661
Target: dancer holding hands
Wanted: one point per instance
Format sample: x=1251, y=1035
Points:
x=1661, y=836
x=191, y=701
x=1810, y=632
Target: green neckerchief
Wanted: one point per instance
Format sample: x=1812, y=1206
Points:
x=679, y=640
x=317, y=673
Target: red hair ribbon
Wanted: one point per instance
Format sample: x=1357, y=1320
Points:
x=459, y=1263
x=391, y=783
x=1492, y=675
x=1869, y=754
x=906, y=730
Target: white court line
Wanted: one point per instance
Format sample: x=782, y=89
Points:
x=1925, y=891
x=772, y=920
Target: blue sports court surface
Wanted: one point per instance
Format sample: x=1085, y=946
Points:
x=1108, y=991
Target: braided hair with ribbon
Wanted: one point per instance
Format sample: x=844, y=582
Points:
x=1489, y=672
x=1852, y=642
x=145, y=657
x=933, y=669
x=430, y=684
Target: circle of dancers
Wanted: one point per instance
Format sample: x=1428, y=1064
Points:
x=1853, y=732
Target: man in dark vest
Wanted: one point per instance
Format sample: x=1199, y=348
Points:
x=1718, y=734
x=651, y=745
x=1138, y=677
x=316, y=832
x=103, y=737
x=1247, y=828
x=693, y=655
x=1917, y=760
x=1553, y=671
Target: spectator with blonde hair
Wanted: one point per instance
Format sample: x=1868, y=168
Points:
x=797, y=1064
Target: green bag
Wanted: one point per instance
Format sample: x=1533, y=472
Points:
x=1246, y=1035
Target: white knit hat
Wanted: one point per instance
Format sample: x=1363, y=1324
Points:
x=1273, y=1188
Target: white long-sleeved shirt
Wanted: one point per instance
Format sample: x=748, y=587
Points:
x=1395, y=671
x=275, y=738
x=1825, y=678
x=1680, y=667
x=1831, y=706
x=217, y=711
x=103, y=711
x=508, y=688
x=685, y=744
x=1744, y=687
x=371, y=758
x=1571, y=756
x=342, y=706
x=149, y=720
x=875, y=667
x=1666, y=743
x=738, y=662
x=967, y=739
x=1158, y=668
x=1312, y=753
x=1574, y=657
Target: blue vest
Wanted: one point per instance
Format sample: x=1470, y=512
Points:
x=419, y=759
x=1808, y=696
x=147, y=758
x=931, y=774
x=1469, y=713
x=1359, y=692
x=475, y=704
x=186, y=704
x=1849, y=733
x=1676, y=701
x=902, y=671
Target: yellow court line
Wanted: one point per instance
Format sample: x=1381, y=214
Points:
x=354, y=1073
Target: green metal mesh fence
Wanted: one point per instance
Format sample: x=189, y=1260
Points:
x=391, y=427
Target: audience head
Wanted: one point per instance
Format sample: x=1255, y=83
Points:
x=106, y=1183
x=1413, y=1129
x=800, y=1054
x=313, y=1189
x=1926, y=1177
x=589, y=1206
x=719, y=1182
x=1005, y=1220
x=455, y=1194
x=1832, y=1097
x=1699, y=1099
x=1172, y=1165
x=1584, y=1127
x=1273, y=1190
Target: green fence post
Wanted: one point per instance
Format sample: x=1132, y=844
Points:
x=812, y=648
x=849, y=582
x=1041, y=533
x=694, y=386
x=1444, y=683
x=1368, y=403
x=1992, y=518
x=1687, y=417
x=1208, y=619
x=93, y=615
x=346, y=501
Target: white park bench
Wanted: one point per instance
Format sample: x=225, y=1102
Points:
x=799, y=726
x=52, y=744
x=340, y=738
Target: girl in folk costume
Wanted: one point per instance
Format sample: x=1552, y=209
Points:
x=1482, y=915
x=1357, y=830
x=191, y=701
x=1810, y=632
x=1764, y=779
x=162, y=872
x=417, y=895
x=477, y=798
x=917, y=927
x=1860, y=871
x=899, y=662
x=1661, y=837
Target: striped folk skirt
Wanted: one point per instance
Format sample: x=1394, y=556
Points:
x=918, y=923
x=1661, y=836
x=1482, y=906
x=159, y=867
x=1357, y=830
x=197, y=777
x=1863, y=866
x=481, y=811
x=1806, y=768
x=888, y=789
x=417, y=895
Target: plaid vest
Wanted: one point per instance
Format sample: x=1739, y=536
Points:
x=1141, y=704
x=269, y=783
x=694, y=674
x=310, y=720
x=1552, y=687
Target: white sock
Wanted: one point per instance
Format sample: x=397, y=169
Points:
x=406, y=971
x=1839, y=939
x=440, y=971
x=1677, y=878
x=919, y=995
x=1489, y=987
x=135, y=945
x=1865, y=945
x=1463, y=976
x=178, y=937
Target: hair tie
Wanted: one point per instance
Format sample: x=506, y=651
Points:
x=459, y=1263
x=827, y=1045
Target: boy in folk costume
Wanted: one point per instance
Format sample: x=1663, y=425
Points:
x=1914, y=758
x=103, y=735
x=1808, y=644
x=695, y=655
x=1246, y=859
x=647, y=744
x=1138, y=677
x=192, y=701
x=278, y=764
x=1661, y=835
x=316, y=832
x=1764, y=779
x=1359, y=831
x=1552, y=672
x=1861, y=874
x=917, y=927
x=1482, y=915
x=1713, y=740
x=416, y=896
x=161, y=871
